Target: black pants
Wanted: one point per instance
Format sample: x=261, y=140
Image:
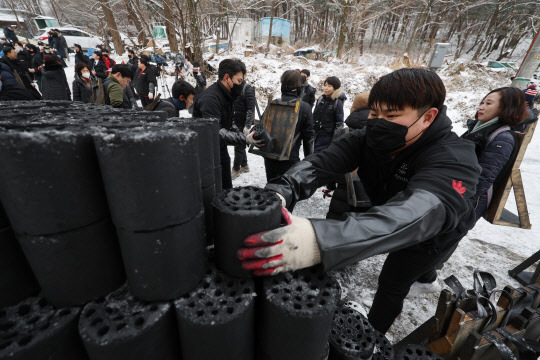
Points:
x=145, y=100
x=240, y=157
x=226, y=181
x=276, y=168
x=400, y=270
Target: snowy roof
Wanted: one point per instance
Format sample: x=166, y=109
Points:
x=10, y=17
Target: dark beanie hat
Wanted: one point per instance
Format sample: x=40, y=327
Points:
x=334, y=81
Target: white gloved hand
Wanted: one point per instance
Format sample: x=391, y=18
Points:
x=251, y=141
x=283, y=201
x=290, y=247
x=151, y=96
x=247, y=130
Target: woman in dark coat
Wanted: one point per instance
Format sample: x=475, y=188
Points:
x=85, y=85
x=54, y=83
x=328, y=113
x=97, y=66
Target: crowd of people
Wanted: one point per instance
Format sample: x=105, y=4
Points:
x=423, y=186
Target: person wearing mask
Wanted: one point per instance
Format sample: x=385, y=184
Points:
x=54, y=84
x=181, y=99
x=22, y=54
x=217, y=102
x=9, y=34
x=109, y=62
x=12, y=92
x=291, y=88
x=328, y=113
x=243, y=117
x=114, y=87
x=97, y=66
x=85, y=85
x=419, y=176
x=198, y=74
x=308, y=91
x=56, y=43
x=146, y=80
x=80, y=56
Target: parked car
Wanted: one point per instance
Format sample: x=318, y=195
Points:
x=74, y=36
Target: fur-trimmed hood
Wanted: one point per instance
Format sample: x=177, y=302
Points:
x=337, y=94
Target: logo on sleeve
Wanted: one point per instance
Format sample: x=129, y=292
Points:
x=458, y=186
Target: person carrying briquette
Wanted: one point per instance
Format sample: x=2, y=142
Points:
x=217, y=102
x=291, y=82
x=419, y=176
x=328, y=113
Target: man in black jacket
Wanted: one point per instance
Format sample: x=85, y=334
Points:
x=182, y=99
x=217, y=102
x=146, y=80
x=97, y=66
x=11, y=92
x=291, y=83
x=19, y=69
x=419, y=176
x=80, y=57
x=308, y=91
x=243, y=116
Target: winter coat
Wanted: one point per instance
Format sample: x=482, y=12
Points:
x=308, y=94
x=134, y=65
x=10, y=35
x=37, y=61
x=57, y=44
x=54, y=84
x=146, y=81
x=216, y=102
x=11, y=92
x=81, y=57
x=531, y=118
x=201, y=82
x=494, y=158
x=18, y=68
x=303, y=133
x=421, y=195
x=63, y=42
x=358, y=118
x=328, y=113
x=169, y=107
x=115, y=94
x=7, y=75
x=99, y=68
x=339, y=204
x=244, y=107
x=82, y=92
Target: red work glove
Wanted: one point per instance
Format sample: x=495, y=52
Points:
x=291, y=247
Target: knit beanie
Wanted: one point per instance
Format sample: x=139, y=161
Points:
x=530, y=93
x=360, y=101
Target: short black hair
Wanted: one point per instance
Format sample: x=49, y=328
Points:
x=124, y=70
x=183, y=88
x=131, y=51
x=98, y=53
x=306, y=71
x=334, y=81
x=187, y=58
x=7, y=49
x=196, y=64
x=418, y=88
x=144, y=59
x=291, y=79
x=231, y=67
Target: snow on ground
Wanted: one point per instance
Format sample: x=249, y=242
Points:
x=488, y=247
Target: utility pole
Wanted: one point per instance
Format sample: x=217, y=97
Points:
x=529, y=64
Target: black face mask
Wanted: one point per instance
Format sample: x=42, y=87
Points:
x=385, y=136
x=236, y=89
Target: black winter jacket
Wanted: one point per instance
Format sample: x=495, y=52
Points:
x=81, y=57
x=81, y=92
x=494, y=158
x=419, y=196
x=54, y=84
x=134, y=65
x=244, y=107
x=216, y=102
x=303, y=133
x=11, y=92
x=201, y=82
x=308, y=94
x=20, y=68
x=358, y=118
x=328, y=113
x=146, y=81
x=169, y=107
x=100, y=68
